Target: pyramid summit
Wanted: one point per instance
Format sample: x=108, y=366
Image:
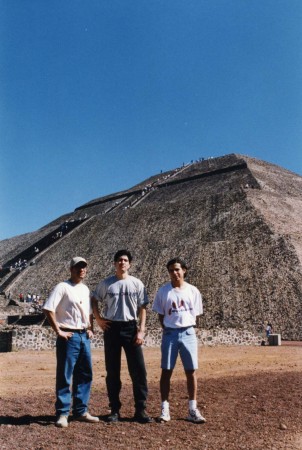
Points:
x=236, y=220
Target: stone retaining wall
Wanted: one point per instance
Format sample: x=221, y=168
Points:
x=43, y=338
x=5, y=341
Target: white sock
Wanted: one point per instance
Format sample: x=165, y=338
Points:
x=192, y=405
x=165, y=405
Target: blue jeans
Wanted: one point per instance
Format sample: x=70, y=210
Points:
x=73, y=361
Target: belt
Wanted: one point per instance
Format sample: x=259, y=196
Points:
x=179, y=328
x=74, y=330
x=122, y=322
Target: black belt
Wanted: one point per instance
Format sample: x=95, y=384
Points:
x=122, y=323
x=73, y=330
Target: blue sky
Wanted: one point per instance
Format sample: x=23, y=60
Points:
x=98, y=95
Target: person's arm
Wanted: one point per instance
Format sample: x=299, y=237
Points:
x=103, y=323
x=161, y=320
x=90, y=329
x=139, y=338
x=198, y=308
x=159, y=308
x=51, y=317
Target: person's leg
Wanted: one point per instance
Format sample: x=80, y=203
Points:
x=164, y=384
x=188, y=351
x=191, y=384
x=112, y=347
x=194, y=413
x=169, y=353
x=136, y=365
x=189, y=356
x=82, y=377
x=67, y=354
x=164, y=392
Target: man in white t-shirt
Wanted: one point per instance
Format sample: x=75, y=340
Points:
x=68, y=310
x=178, y=303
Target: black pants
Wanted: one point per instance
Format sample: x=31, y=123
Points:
x=121, y=335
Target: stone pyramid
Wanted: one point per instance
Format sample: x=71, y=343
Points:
x=236, y=221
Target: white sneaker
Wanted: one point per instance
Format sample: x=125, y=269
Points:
x=195, y=416
x=86, y=417
x=165, y=415
x=62, y=422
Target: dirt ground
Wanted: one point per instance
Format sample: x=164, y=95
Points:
x=250, y=396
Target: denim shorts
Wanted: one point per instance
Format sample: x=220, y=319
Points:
x=182, y=341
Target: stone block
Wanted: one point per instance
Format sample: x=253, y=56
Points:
x=274, y=339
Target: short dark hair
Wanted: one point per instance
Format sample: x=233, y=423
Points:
x=180, y=261
x=120, y=253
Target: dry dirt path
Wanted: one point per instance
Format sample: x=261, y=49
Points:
x=247, y=394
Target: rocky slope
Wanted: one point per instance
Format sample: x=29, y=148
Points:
x=236, y=220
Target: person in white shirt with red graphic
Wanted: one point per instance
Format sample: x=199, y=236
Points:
x=178, y=303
